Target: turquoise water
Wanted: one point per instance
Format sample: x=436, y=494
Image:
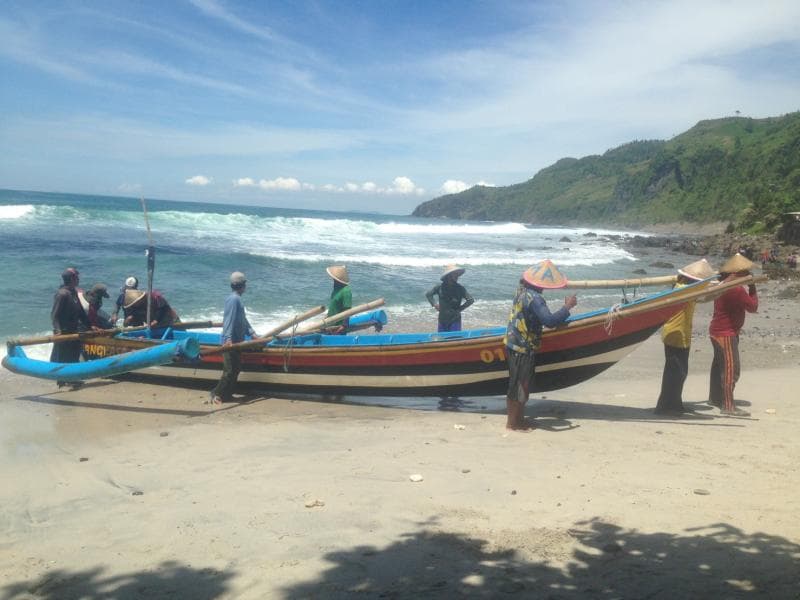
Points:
x=284, y=254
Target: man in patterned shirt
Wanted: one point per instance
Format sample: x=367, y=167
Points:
x=524, y=333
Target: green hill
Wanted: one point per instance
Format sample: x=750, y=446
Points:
x=738, y=170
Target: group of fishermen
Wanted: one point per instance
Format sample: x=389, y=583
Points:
x=529, y=315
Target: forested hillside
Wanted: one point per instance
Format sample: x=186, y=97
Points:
x=738, y=170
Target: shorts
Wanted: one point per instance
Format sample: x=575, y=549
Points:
x=521, y=368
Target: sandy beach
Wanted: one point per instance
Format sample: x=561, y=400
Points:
x=123, y=490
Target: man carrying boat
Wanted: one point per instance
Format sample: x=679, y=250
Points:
x=135, y=307
x=234, y=327
x=341, y=296
x=131, y=283
x=524, y=334
x=98, y=319
x=726, y=323
x=450, y=294
x=68, y=316
x=677, y=337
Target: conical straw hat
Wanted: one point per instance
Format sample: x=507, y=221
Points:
x=698, y=270
x=339, y=273
x=133, y=297
x=735, y=264
x=545, y=275
x=459, y=271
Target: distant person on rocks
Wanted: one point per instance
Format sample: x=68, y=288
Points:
x=726, y=323
x=341, y=297
x=764, y=257
x=68, y=317
x=234, y=328
x=791, y=261
x=676, y=334
x=135, y=307
x=98, y=319
x=131, y=283
x=453, y=298
x=529, y=315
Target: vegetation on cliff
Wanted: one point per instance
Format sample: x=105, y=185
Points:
x=738, y=170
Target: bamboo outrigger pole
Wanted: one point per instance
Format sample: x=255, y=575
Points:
x=705, y=293
x=616, y=283
x=333, y=319
x=267, y=336
x=82, y=335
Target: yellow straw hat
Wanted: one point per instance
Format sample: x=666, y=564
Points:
x=698, y=270
x=339, y=273
x=545, y=275
x=452, y=269
x=736, y=264
x=133, y=297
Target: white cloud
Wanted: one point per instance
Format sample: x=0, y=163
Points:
x=404, y=185
x=199, y=180
x=244, y=182
x=369, y=186
x=485, y=184
x=280, y=183
x=453, y=186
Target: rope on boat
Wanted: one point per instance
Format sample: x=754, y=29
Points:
x=612, y=314
x=287, y=351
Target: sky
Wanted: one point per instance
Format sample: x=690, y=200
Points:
x=370, y=105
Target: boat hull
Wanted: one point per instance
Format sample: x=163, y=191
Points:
x=469, y=363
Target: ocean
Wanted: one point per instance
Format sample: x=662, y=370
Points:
x=284, y=253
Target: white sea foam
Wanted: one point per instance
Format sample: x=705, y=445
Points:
x=15, y=211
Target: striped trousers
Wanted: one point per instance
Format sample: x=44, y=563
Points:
x=724, y=371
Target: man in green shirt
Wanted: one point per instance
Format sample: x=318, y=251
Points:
x=341, y=296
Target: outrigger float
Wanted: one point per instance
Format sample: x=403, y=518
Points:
x=464, y=363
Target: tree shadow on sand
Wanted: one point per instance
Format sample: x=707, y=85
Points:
x=596, y=560
x=167, y=580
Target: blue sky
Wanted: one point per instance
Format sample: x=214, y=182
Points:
x=366, y=105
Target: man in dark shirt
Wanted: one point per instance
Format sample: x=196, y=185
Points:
x=67, y=316
x=97, y=318
x=451, y=294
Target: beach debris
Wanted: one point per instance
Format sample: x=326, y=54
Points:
x=465, y=470
x=459, y=427
x=416, y=477
x=770, y=411
x=83, y=458
x=513, y=492
x=702, y=492
x=164, y=433
x=137, y=493
x=314, y=503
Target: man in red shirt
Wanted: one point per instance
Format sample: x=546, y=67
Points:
x=729, y=313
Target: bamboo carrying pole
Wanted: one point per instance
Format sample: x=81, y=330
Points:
x=71, y=337
x=705, y=293
x=615, y=283
x=333, y=319
x=267, y=336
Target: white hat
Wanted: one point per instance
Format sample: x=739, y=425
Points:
x=131, y=282
x=452, y=270
x=698, y=270
x=339, y=273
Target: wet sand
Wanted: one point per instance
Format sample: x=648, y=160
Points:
x=123, y=490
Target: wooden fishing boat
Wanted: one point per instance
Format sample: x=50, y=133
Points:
x=465, y=363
